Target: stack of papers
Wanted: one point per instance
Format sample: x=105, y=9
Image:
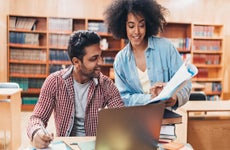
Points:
x=184, y=74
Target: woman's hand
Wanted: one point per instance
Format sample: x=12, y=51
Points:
x=156, y=89
x=171, y=101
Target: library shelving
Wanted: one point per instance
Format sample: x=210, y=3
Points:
x=109, y=45
x=27, y=55
x=37, y=46
x=204, y=44
x=207, y=51
x=180, y=35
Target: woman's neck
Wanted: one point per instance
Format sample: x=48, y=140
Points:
x=141, y=47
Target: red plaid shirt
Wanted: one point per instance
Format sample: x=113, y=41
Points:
x=57, y=94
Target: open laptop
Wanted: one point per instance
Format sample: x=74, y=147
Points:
x=129, y=128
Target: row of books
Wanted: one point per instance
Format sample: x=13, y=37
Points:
x=97, y=27
x=24, y=38
x=60, y=24
x=108, y=60
x=27, y=54
x=35, y=69
x=58, y=40
x=181, y=43
x=206, y=59
x=212, y=86
x=29, y=100
x=184, y=56
x=27, y=83
x=22, y=23
x=212, y=45
x=202, y=73
x=203, y=31
x=213, y=97
x=58, y=55
x=53, y=68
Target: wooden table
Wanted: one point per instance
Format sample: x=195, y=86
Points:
x=10, y=112
x=206, y=124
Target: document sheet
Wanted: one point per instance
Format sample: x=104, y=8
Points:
x=184, y=74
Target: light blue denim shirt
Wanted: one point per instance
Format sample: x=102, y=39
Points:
x=162, y=62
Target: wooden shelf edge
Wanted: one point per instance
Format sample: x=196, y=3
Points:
x=20, y=75
x=207, y=51
x=26, y=30
x=39, y=62
x=27, y=107
x=207, y=79
x=207, y=65
x=27, y=46
x=32, y=91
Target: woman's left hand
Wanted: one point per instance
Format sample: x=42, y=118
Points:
x=171, y=102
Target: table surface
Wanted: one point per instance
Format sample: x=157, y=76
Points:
x=196, y=106
x=9, y=91
x=13, y=110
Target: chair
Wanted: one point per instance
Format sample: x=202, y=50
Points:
x=197, y=96
x=5, y=116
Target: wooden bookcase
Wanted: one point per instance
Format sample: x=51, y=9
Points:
x=204, y=44
x=27, y=55
x=180, y=35
x=207, y=52
x=37, y=46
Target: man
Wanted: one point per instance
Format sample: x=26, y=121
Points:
x=74, y=94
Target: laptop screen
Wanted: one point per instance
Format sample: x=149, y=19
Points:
x=128, y=128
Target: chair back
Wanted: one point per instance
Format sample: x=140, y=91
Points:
x=197, y=96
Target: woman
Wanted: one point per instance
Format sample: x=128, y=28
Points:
x=147, y=62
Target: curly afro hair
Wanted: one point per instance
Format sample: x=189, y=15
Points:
x=117, y=12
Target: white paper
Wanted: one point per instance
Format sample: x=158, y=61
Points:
x=184, y=73
x=168, y=130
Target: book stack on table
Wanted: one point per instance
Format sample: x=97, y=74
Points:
x=168, y=129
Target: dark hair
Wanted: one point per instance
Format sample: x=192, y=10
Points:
x=79, y=40
x=116, y=16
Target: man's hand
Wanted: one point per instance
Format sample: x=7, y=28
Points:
x=41, y=139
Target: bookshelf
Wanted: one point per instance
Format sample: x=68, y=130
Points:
x=204, y=44
x=207, y=51
x=27, y=54
x=59, y=30
x=37, y=46
x=180, y=35
x=109, y=45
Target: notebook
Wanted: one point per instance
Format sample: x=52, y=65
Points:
x=129, y=128
x=171, y=117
